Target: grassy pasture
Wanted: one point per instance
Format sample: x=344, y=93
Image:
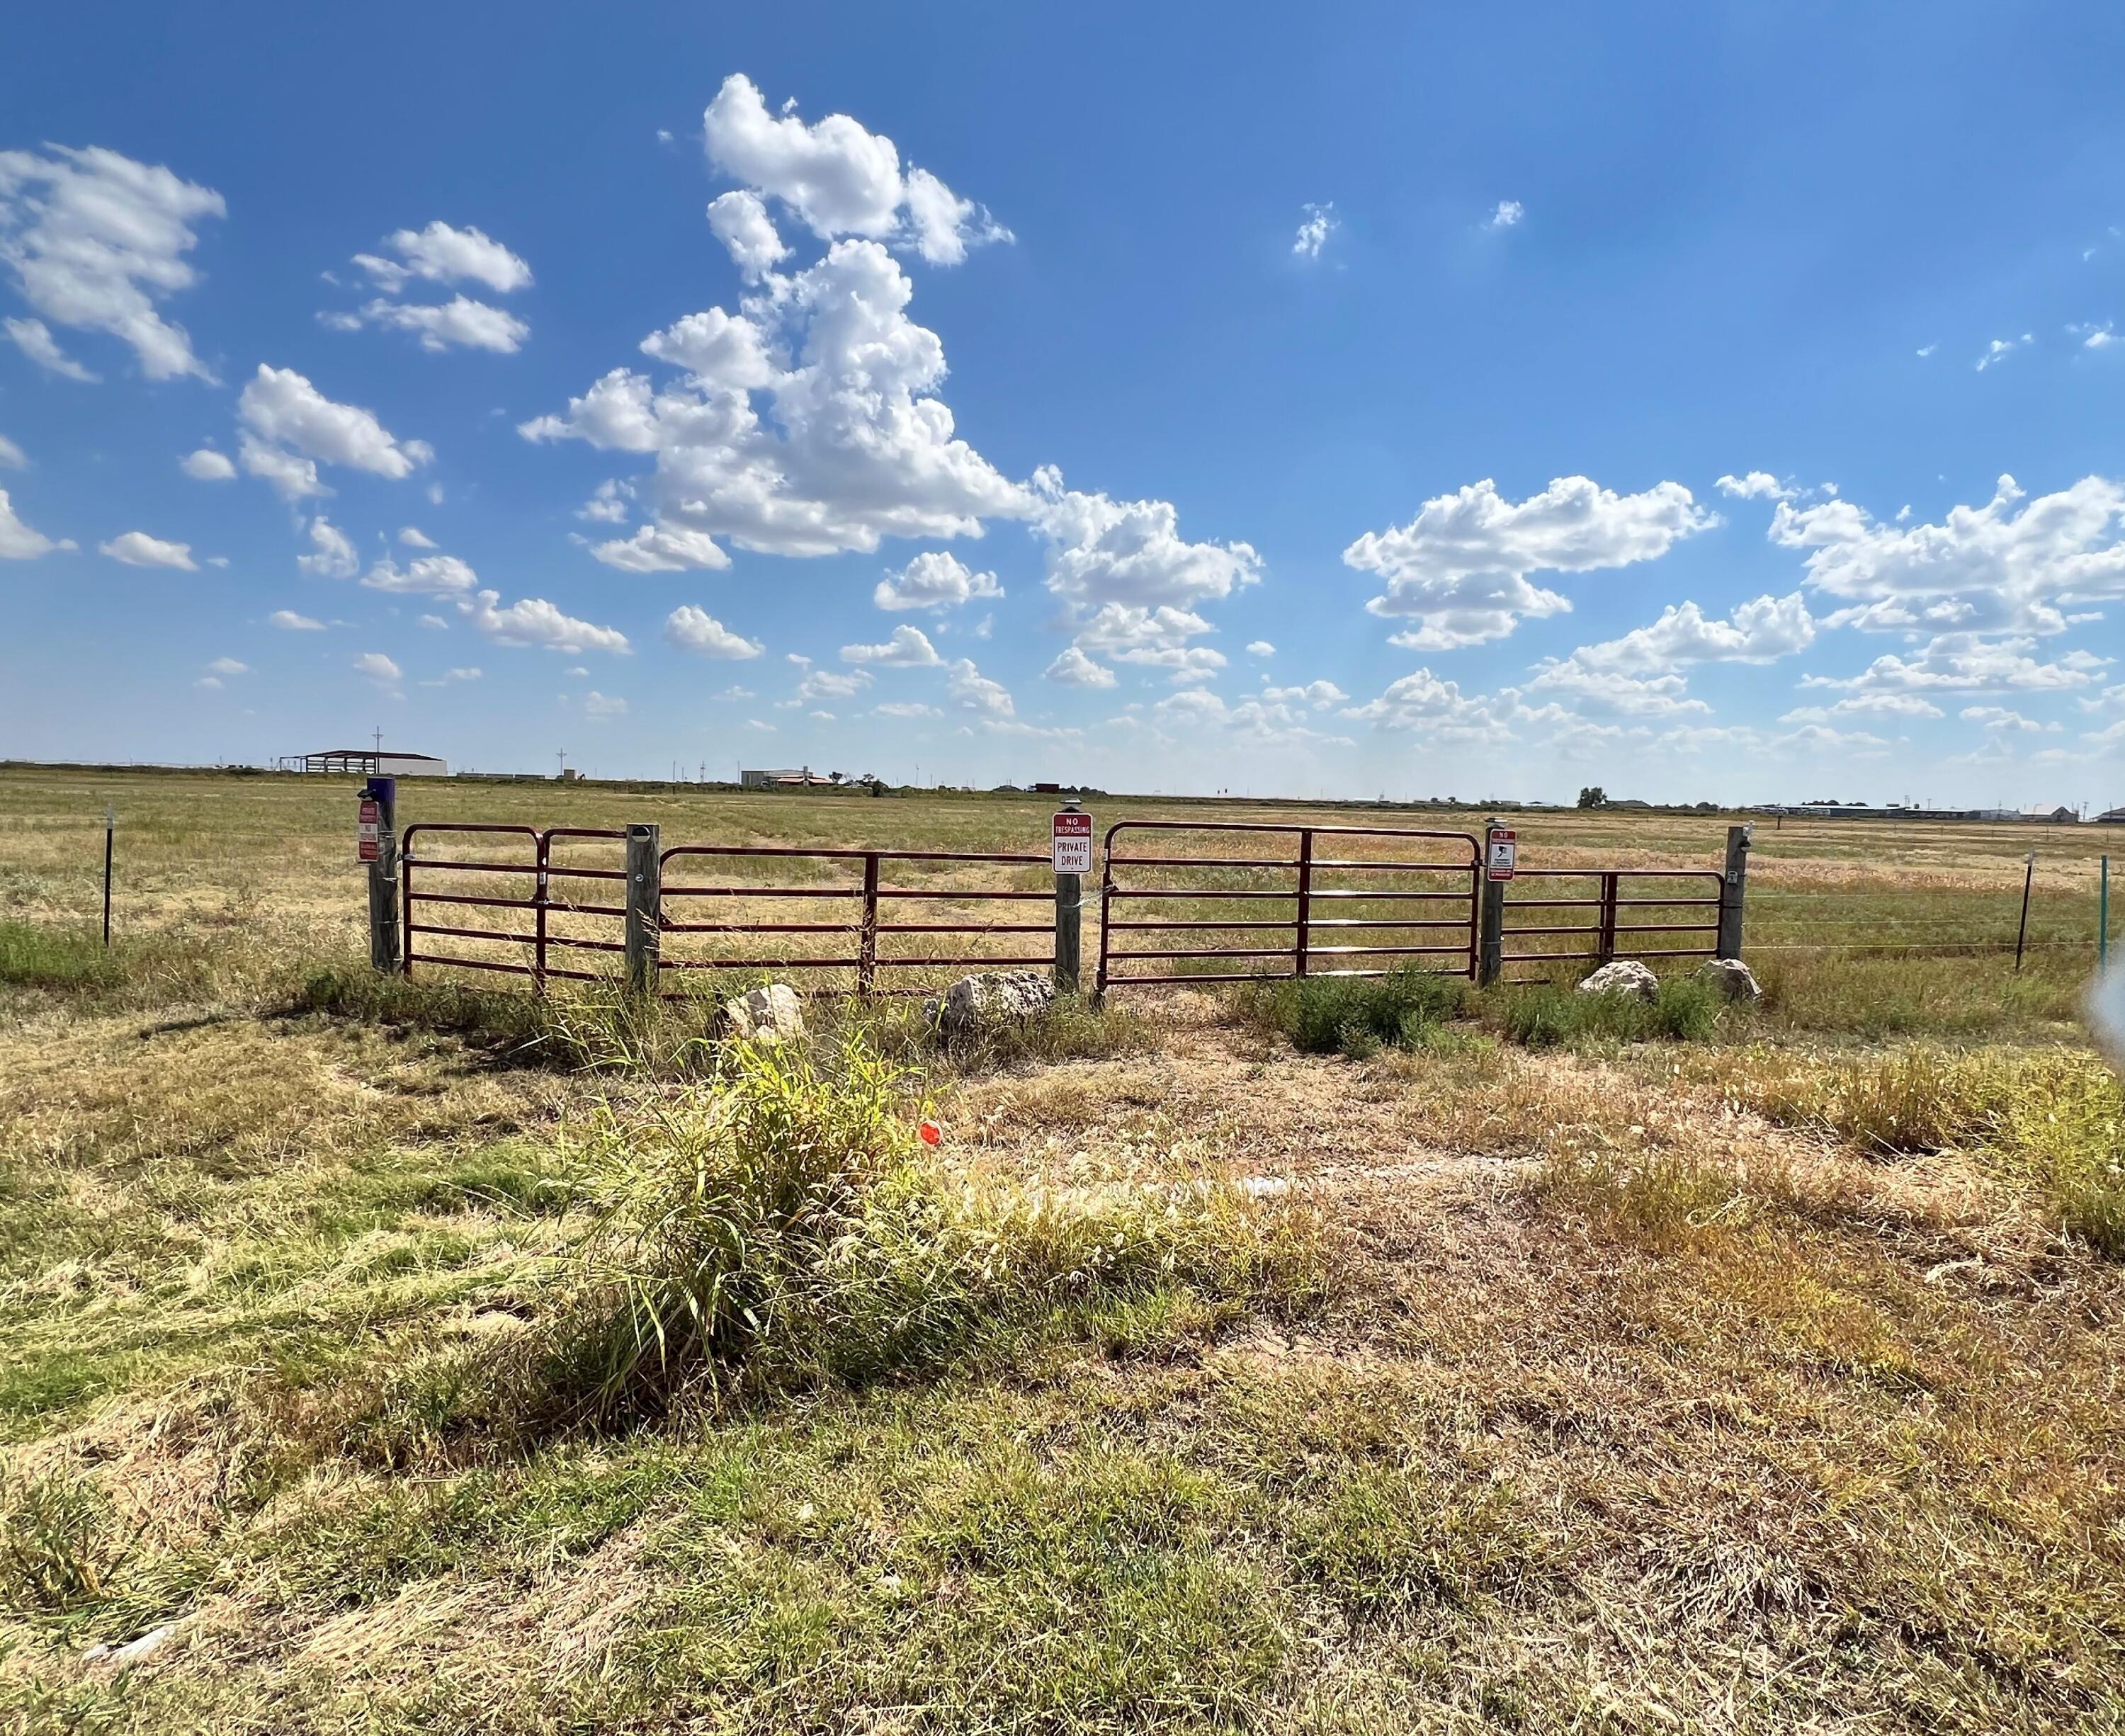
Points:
x=423, y=1359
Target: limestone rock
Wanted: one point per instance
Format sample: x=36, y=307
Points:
x=999, y=997
x=1733, y=978
x=1623, y=976
x=766, y=1016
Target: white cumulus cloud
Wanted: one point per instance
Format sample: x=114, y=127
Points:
x=696, y=630
x=12, y=457
x=854, y=445
x=93, y=241
x=1314, y=227
x=1967, y=662
x=1507, y=215
x=971, y=690
x=289, y=415
x=34, y=338
x=206, y=465
x=332, y=552
x=137, y=549
x=445, y=255
x=535, y=622
x=838, y=178
x=1074, y=669
x=1460, y=567
x=908, y=648
x=288, y=621
x=377, y=667
x=430, y=576
x=935, y=580
x=17, y=541
x=2006, y=567
x=468, y=324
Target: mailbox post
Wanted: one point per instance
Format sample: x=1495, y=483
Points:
x=376, y=843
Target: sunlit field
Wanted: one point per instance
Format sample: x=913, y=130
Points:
x=1360, y=1356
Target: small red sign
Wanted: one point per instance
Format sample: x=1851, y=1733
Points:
x=1503, y=850
x=368, y=831
x=1072, y=844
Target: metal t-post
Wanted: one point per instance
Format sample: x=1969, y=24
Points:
x=1733, y=890
x=384, y=952
x=645, y=902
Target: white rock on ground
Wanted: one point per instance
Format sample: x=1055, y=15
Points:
x=133, y=1650
x=770, y=1015
x=1623, y=976
x=1000, y=997
x=1733, y=978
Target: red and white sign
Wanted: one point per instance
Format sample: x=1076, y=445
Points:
x=1504, y=849
x=368, y=831
x=1073, y=843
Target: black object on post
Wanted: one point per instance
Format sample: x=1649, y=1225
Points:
x=2022, y=933
x=383, y=929
x=1734, y=891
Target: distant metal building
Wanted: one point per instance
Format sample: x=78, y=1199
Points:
x=804, y=778
x=367, y=762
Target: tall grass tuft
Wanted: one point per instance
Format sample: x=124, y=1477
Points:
x=62, y=1546
x=787, y=1226
x=1353, y=1015
x=2054, y=1117
x=1545, y=1015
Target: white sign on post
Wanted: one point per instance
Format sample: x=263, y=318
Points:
x=1072, y=843
x=368, y=829
x=1504, y=850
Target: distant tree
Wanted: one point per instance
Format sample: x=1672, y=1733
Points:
x=1593, y=795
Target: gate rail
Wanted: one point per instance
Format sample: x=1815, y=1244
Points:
x=1609, y=904
x=541, y=869
x=863, y=927
x=1302, y=894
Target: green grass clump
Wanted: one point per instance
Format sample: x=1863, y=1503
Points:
x=1354, y=1016
x=62, y=1547
x=787, y=1226
x=73, y=960
x=1545, y=1015
x=2054, y=1117
x=356, y=992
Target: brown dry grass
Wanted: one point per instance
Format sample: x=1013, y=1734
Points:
x=1643, y=1392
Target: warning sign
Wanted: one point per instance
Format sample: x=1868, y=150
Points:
x=368, y=831
x=1073, y=843
x=1503, y=847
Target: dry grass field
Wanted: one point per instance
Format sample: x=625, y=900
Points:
x=411, y=1357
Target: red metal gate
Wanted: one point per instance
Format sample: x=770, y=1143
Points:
x=840, y=904
x=1621, y=893
x=1299, y=883
x=539, y=923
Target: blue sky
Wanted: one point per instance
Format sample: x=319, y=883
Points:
x=1415, y=401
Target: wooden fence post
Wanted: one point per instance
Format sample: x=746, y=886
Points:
x=1069, y=932
x=645, y=901
x=1733, y=890
x=1605, y=944
x=384, y=952
x=1491, y=916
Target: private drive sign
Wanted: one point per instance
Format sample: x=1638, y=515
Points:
x=368, y=831
x=1503, y=850
x=1072, y=843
